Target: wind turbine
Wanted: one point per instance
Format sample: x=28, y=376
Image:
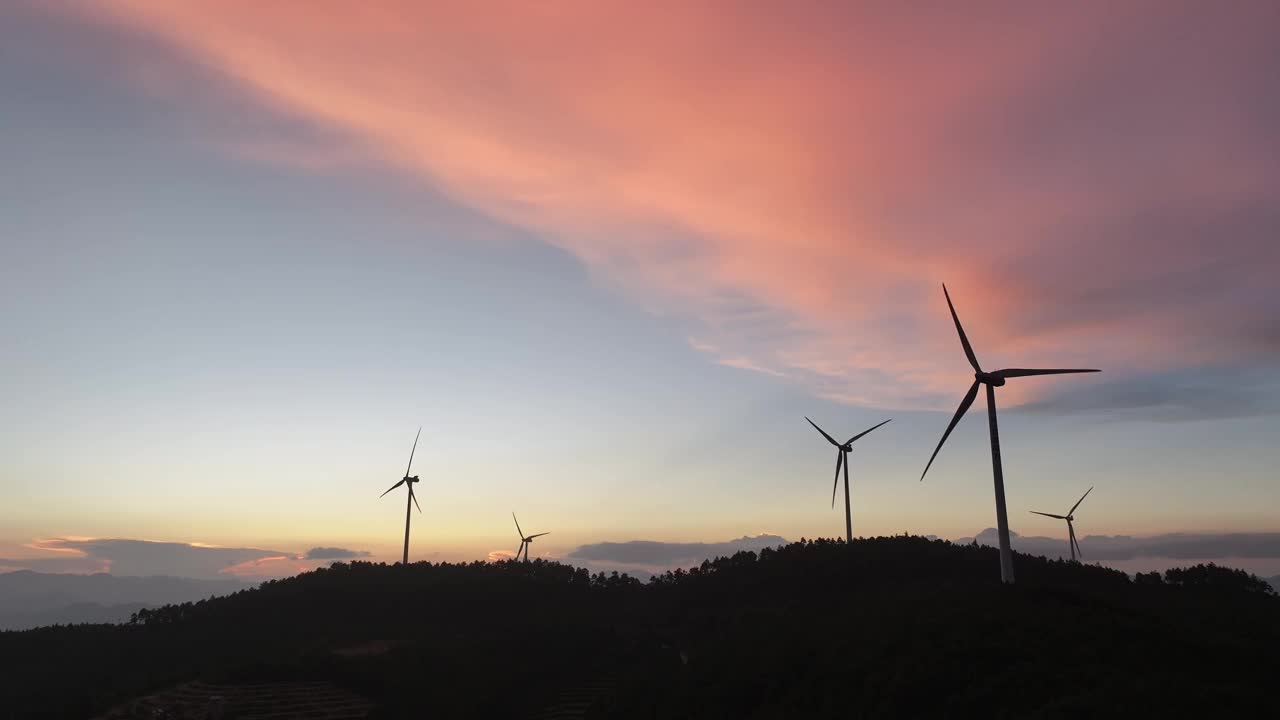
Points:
x=1071, y=530
x=842, y=459
x=992, y=380
x=525, y=540
x=406, y=480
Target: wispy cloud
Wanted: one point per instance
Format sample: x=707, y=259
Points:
x=734, y=361
x=795, y=191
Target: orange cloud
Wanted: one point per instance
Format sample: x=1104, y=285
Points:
x=56, y=545
x=794, y=183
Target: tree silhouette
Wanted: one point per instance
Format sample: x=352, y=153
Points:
x=891, y=626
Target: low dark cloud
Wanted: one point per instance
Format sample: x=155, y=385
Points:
x=644, y=557
x=127, y=557
x=1174, y=546
x=120, y=556
x=334, y=553
x=1208, y=393
x=63, y=564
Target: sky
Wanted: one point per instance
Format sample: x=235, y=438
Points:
x=609, y=256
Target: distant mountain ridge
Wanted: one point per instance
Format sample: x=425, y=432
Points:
x=73, y=614
x=31, y=599
x=1183, y=547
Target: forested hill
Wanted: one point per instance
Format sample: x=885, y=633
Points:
x=900, y=626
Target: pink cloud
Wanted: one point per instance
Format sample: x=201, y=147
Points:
x=794, y=185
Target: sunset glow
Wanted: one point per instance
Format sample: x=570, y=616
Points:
x=610, y=255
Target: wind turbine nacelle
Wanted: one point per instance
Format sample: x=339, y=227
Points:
x=989, y=378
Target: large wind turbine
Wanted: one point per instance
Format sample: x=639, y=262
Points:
x=406, y=480
x=1071, y=530
x=842, y=459
x=525, y=540
x=992, y=380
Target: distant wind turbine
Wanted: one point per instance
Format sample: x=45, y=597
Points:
x=407, y=480
x=1071, y=530
x=992, y=380
x=525, y=540
x=842, y=460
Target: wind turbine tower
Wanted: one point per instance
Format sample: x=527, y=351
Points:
x=842, y=459
x=992, y=380
x=407, y=480
x=1070, y=517
x=525, y=540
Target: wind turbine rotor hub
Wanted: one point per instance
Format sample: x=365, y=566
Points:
x=992, y=379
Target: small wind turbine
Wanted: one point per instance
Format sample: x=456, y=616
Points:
x=525, y=540
x=1071, y=530
x=992, y=380
x=406, y=480
x=842, y=459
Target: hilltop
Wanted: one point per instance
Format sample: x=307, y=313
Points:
x=900, y=626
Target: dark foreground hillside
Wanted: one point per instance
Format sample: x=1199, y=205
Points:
x=885, y=627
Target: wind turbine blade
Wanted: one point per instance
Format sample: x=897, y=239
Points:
x=393, y=487
x=1060, y=517
x=824, y=433
x=836, y=483
x=414, y=498
x=1072, y=530
x=513, y=517
x=519, y=549
x=539, y=535
x=964, y=407
x=864, y=432
x=1072, y=511
x=964, y=339
x=411, y=452
x=1028, y=372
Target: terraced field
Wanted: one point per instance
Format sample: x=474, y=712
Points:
x=575, y=703
x=267, y=701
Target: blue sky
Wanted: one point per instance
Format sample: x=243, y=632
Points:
x=225, y=318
